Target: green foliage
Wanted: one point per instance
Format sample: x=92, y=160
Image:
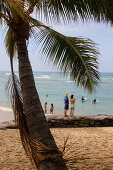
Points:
x=56, y=10
x=74, y=55
x=10, y=44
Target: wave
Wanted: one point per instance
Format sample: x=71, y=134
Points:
x=69, y=81
x=43, y=77
x=105, y=79
x=17, y=74
x=6, y=109
x=7, y=73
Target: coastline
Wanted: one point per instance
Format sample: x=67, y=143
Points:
x=6, y=115
x=91, y=146
x=45, y=81
x=59, y=121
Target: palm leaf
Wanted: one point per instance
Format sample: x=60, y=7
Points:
x=36, y=150
x=74, y=55
x=62, y=10
x=14, y=90
x=12, y=9
x=10, y=44
x=73, y=9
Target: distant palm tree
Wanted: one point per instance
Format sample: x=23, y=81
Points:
x=71, y=54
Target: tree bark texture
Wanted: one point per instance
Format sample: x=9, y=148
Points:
x=36, y=122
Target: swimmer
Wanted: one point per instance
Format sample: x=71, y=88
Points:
x=93, y=102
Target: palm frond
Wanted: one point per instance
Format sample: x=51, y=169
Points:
x=14, y=91
x=56, y=10
x=3, y=12
x=32, y=4
x=10, y=43
x=5, y=17
x=17, y=8
x=63, y=10
x=74, y=55
x=13, y=9
x=36, y=150
x=101, y=10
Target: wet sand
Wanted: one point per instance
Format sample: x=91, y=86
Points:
x=92, y=148
x=6, y=115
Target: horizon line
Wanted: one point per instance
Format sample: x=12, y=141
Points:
x=46, y=71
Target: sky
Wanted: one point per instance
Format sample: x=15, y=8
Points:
x=101, y=34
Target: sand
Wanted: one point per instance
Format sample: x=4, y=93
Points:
x=6, y=115
x=92, y=148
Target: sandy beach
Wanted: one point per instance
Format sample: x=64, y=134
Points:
x=6, y=115
x=92, y=149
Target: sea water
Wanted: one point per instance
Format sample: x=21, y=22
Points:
x=52, y=86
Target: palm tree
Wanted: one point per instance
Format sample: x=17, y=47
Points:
x=71, y=54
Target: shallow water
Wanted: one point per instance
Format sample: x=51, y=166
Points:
x=53, y=86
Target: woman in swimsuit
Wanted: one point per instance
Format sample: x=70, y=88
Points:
x=72, y=106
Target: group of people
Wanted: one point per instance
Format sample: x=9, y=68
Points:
x=91, y=102
x=66, y=105
x=51, y=108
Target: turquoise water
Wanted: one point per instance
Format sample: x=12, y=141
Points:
x=55, y=85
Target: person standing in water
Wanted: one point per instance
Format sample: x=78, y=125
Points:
x=83, y=98
x=51, y=108
x=72, y=105
x=45, y=107
x=66, y=104
x=93, y=102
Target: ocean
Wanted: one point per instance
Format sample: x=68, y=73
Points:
x=52, y=87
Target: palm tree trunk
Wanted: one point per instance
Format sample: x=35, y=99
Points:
x=36, y=122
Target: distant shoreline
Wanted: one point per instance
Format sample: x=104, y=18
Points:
x=49, y=71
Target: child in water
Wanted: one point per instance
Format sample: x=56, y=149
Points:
x=45, y=107
x=51, y=108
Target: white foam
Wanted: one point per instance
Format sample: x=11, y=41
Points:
x=43, y=77
x=7, y=73
x=48, y=114
x=69, y=81
x=6, y=109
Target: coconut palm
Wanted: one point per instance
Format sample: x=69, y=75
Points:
x=74, y=55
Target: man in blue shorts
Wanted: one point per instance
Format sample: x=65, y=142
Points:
x=66, y=104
